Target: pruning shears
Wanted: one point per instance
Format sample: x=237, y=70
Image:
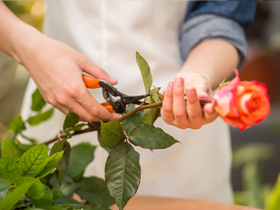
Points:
x=109, y=91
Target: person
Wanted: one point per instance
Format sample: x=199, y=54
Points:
x=90, y=36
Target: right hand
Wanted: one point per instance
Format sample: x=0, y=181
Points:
x=57, y=71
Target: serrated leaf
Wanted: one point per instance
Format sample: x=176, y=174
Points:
x=9, y=149
x=122, y=173
x=70, y=120
x=67, y=200
x=100, y=142
x=95, y=207
x=12, y=198
x=64, y=162
x=48, y=165
x=112, y=133
x=38, y=101
x=16, y=125
x=145, y=71
x=36, y=191
x=150, y=137
x=31, y=159
x=35, y=120
x=150, y=115
x=9, y=169
x=56, y=193
x=94, y=190
x=81, y=155
x=131, y=122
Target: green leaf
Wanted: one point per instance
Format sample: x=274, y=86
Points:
x=70, y=120
x=150, y=115
x=23, y=147
x=4, y=185
x=81, y=155
x=94, y=190
x=94, y=125
x=35, y=120
x=48, y=165
x=68, y=188
x=31, y=159
x=33, y=141
x=38, y=101
x=272, y=201
x=67, y=200
x=150, y=137
x=5, y=188
x=252, y=183
x=132, y=122
x=112, y=133
x=154, y=94
x=10, y=149
x=4, y=193
x=12, y=198
x=44, y=202
x=9, y=169
x=56, y=193
x=64, y=162
x=95, y=207
x=36, y=191
x=77, y=127
x=16, y=125
x=122, y=173
x=145, y=71
x=100, y=142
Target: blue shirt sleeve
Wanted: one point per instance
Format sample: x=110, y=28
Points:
x=241, y=11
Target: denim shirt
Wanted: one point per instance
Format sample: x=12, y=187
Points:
x=226, y=20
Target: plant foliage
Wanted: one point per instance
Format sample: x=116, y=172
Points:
x=37, y=176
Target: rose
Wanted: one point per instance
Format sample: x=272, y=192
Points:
x=242, y=103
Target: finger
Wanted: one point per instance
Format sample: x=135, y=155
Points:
x=179, y=105
x=193, y=106
x=167, y=104
x=76, y=108
x=91, y=68
x=94, y=108
x=209, y=113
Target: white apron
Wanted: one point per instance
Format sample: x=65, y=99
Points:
x=110, y=33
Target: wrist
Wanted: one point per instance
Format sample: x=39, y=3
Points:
x=24, y=43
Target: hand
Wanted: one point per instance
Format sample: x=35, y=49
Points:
x=57, y=71
x=175, y=112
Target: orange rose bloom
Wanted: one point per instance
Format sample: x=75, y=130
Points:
x=242, y=104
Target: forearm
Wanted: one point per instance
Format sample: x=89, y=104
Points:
x=16, y=37
x=215, y=59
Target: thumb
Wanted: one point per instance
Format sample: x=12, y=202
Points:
x=92, y=69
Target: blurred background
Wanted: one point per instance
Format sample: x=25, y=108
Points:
x=255, y=151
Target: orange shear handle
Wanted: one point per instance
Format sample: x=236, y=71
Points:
x=108, y=106
x=91, y=82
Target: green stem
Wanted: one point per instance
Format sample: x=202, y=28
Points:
x=139, y=108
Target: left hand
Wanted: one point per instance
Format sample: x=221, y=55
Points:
x=175, y=112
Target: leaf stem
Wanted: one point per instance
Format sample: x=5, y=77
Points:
x=139, y=108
